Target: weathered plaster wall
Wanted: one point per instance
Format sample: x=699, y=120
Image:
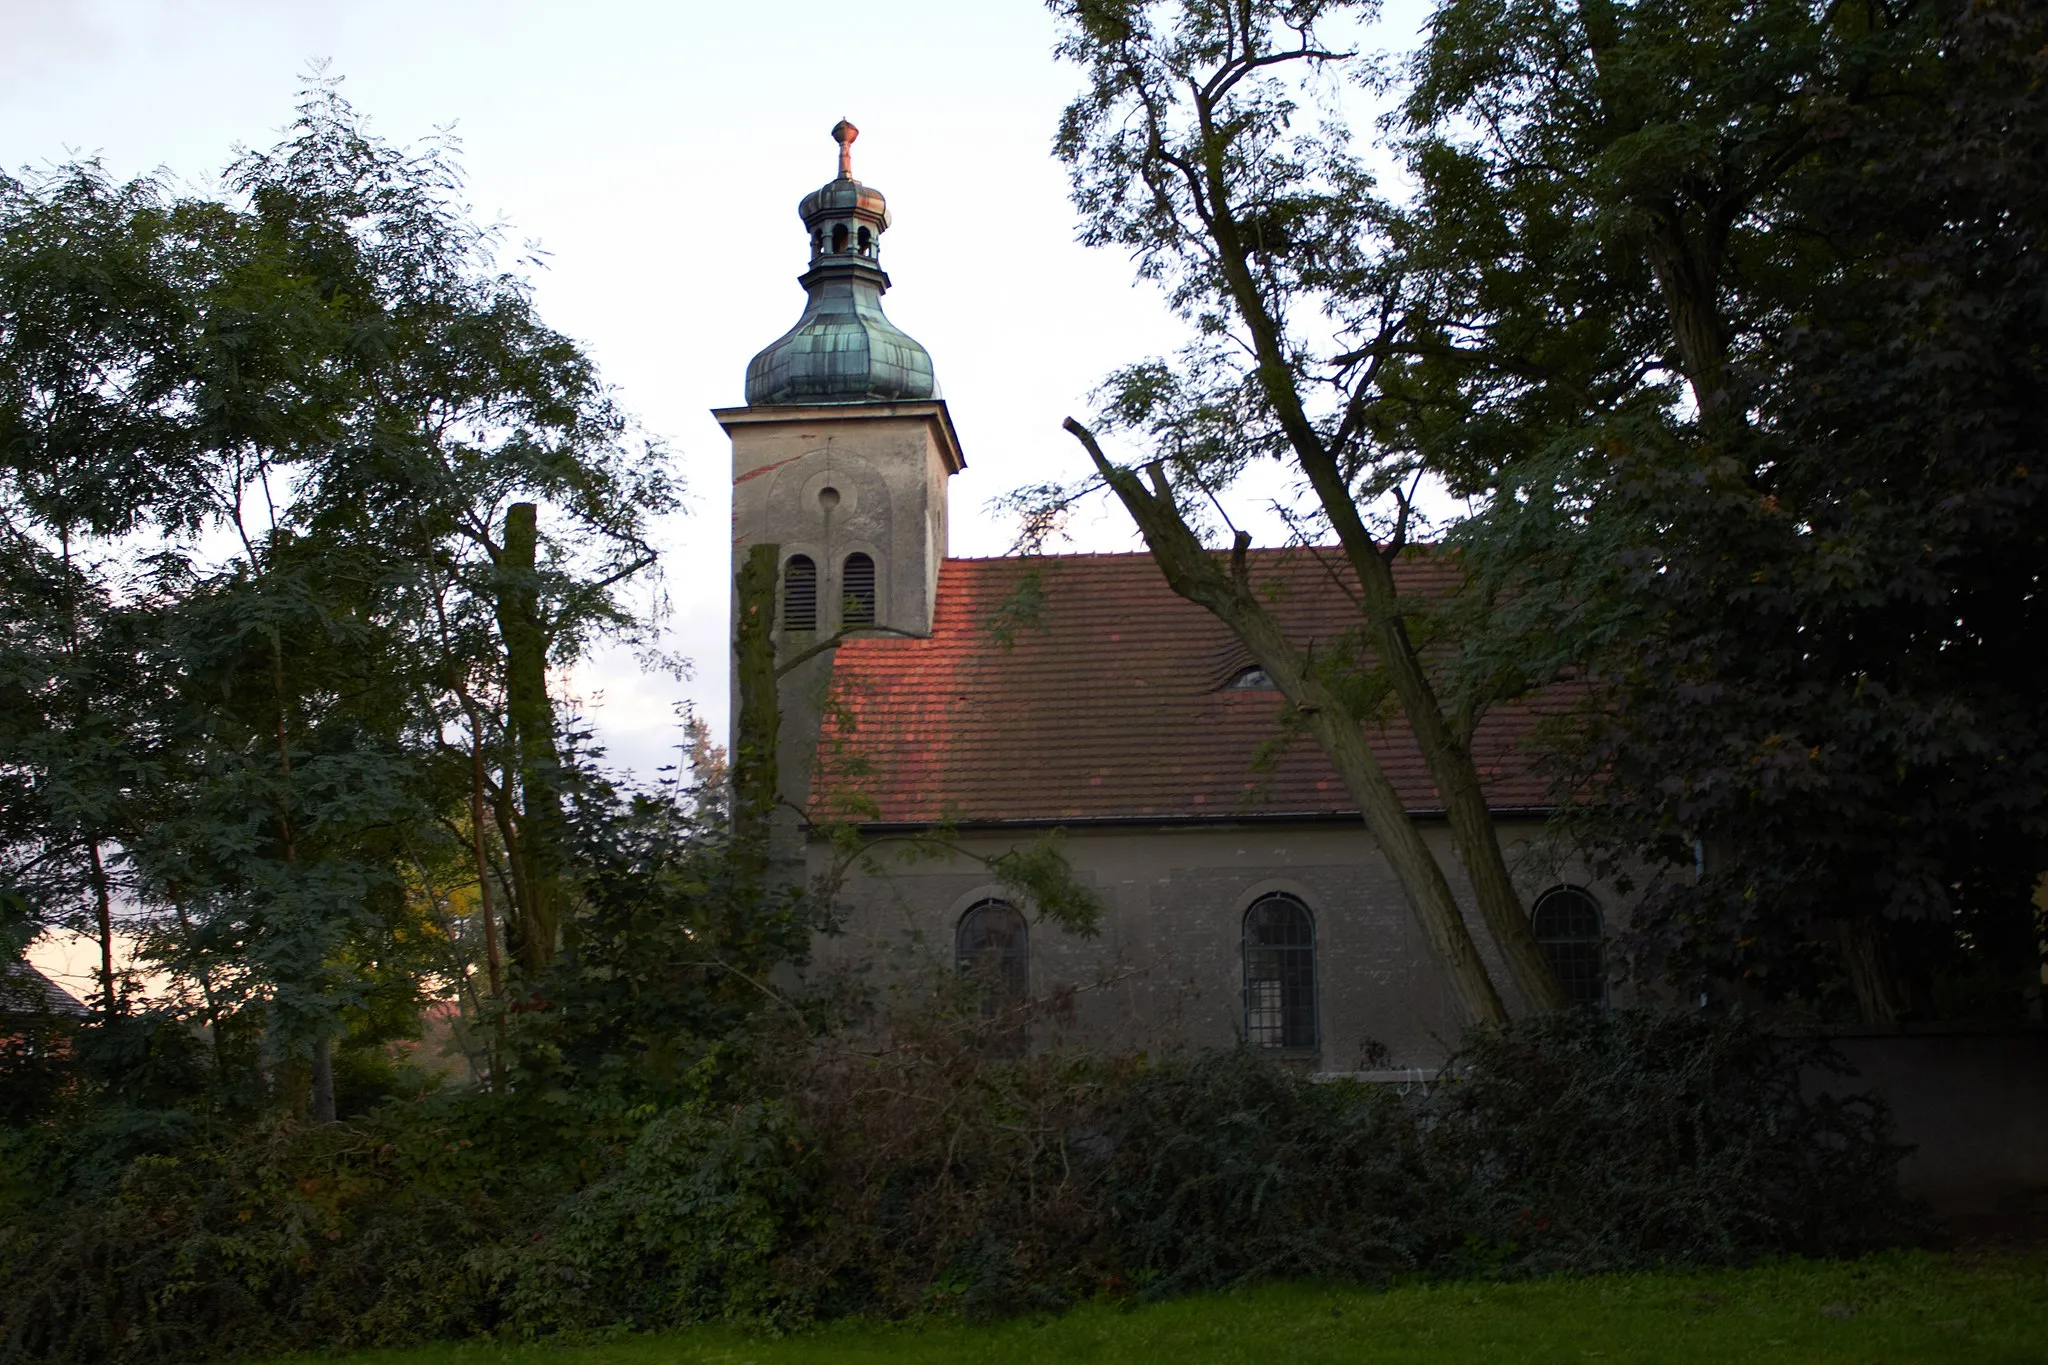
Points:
x=1167, y=966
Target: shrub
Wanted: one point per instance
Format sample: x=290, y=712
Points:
x=687, y=1228
x=954, y=1175
x=270, y=1240
x=911, y=1166
x=1229, y=1168
x=1585, y=1141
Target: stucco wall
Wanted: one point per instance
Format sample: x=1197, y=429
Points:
x=1167, y=966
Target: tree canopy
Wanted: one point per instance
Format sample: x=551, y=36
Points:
x=302, y=499
x=1721, y=321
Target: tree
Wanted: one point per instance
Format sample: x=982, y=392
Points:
x=1188, y=150
x=1801, y=581
x=356, y=497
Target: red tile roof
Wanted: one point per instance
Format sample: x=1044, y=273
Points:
x=1080, y=687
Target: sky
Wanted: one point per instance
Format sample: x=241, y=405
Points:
x=655, y=152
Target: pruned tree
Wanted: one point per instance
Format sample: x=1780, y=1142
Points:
x=1195, y=149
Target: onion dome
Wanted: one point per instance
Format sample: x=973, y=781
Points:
x=842, y=350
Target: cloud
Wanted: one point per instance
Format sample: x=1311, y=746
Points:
x=46, y=37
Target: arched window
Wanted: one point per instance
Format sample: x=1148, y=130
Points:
x=1566, y=921
x=1279, y=974
x=993, y=945
x=838, y=238
x=800, y=594
x=865, y=240
x=1253, y=679
x=857, y=591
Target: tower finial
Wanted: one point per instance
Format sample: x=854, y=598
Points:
x=844, y=133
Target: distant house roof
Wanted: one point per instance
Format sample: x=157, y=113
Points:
x=1072, y=688
x=24, y=990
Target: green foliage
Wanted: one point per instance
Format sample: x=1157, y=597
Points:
x=285, y=476
x=676, y=944
x=1230, y=1170
x=1584, y=1141
x=1803, y=582
x=1022, y=609
x=267, y=1240
x=687, y=1228
x=903, y=1165
x=1042, y=873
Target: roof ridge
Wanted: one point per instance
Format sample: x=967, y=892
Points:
x=1414, y=549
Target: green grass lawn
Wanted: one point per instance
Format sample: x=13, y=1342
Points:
x=1905, y=1307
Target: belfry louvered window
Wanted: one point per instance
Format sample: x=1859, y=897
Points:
x=1279, y=974
x=1566, y=921
x=800, y=594
x=857, y=591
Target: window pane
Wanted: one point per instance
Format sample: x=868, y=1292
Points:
x=1279, y=974
x=1567, y=924
x=993, y=944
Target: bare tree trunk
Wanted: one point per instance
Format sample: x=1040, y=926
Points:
x=484, y=907
x=1881, y=997
x=206, y=992
x=103, y=900
x=1447, y=754
x=105, y=910
x=1195, y=574
x=1449, y=757
x=757, y=732
x=530, y=743
x=317, y=1077
x=323, y=1080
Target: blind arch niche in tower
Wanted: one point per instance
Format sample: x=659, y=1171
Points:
x=857, y=591
x=800, y=593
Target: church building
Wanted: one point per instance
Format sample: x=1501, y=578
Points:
x=992, y=701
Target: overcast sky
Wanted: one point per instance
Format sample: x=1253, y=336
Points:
x=656, y=152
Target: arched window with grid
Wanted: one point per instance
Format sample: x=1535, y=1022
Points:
x=993, y=944
x=1280, y=974
x=800, y=594
x=1567, y=924
x=857, y=591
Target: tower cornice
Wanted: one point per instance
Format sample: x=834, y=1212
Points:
x=933, y=411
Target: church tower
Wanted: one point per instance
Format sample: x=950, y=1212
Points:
x=840, y=457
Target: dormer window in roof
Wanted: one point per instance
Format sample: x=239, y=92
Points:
x=1253, y=679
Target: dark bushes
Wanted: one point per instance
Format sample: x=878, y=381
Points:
x=687, y=1228
x=1229, y=1168
x=902, y=1170
x=1583, y=1141
x=261, y=1242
